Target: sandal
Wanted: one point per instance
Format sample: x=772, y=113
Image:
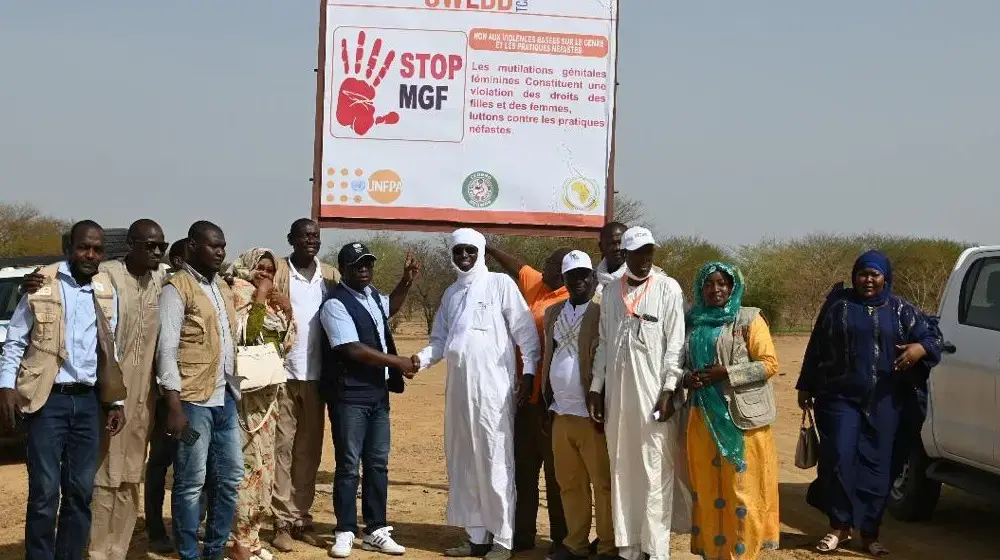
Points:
x=831, y=542
x=877, y=549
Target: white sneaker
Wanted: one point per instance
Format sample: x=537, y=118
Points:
x=342, y=545
x=381, y=541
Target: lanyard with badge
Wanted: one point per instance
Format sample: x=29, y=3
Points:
x=630, y=308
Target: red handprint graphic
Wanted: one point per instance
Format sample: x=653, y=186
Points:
x=356, y=100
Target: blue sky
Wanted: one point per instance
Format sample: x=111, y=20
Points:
x=737, y=120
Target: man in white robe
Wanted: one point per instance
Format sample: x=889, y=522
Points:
x=638, y=366
x=481, y=318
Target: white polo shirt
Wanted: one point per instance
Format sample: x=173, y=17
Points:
x=305, y=359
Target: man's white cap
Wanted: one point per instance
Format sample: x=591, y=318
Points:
x=636, y=238
x=576, y=259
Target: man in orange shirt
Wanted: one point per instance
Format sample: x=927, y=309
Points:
x=532, y=429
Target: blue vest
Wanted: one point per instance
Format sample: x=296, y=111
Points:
x=348, y=381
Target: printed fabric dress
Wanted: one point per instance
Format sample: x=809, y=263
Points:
x=258, y=410
x=735, y=503
x=259, y=420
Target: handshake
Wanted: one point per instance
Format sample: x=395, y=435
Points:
x=409, y=365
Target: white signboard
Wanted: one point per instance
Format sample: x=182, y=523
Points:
x=496, y=113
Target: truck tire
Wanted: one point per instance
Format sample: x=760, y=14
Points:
x=115, y=243
x=913, y=496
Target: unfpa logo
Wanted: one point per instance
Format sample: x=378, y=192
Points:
x=348, y=186
x=385, y=186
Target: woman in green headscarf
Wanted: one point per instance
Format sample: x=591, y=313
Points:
x=732, y=458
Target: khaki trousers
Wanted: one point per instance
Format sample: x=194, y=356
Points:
x=114, y=512
x=581, y=461
x=298, y=449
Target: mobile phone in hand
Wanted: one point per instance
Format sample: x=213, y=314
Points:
x=189, y=435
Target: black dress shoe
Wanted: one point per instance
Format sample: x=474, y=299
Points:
x=468, y=550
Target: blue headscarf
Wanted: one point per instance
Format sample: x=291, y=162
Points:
x=875, y=260
x=706, y=326
x=872, y=354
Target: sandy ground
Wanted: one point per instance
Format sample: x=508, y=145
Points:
x=961, y=528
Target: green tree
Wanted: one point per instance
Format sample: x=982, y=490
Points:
x=25, y=231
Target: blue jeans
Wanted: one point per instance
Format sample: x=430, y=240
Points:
x=360, y=435
x=62, y=447
x=161, y=455
x=217, y=456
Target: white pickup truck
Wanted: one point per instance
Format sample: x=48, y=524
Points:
x=961, y=434
x=10, y=283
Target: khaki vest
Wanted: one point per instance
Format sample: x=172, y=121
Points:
x=751, y=405
x=201, y=342
x=47, y=350
x=589, y=327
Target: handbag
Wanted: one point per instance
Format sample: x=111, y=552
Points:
x=807, y=448
x=259, y=366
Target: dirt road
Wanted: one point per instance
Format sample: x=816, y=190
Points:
x=962, y=528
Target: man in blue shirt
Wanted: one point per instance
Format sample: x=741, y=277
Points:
x=58, y=366
x=358, y=372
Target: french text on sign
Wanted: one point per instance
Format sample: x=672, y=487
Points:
x=538, y=42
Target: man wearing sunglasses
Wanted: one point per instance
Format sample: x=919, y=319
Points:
x=138, y=281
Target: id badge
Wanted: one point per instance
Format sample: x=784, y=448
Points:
x=481, y=320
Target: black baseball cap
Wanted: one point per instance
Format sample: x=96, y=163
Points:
x=352, y=253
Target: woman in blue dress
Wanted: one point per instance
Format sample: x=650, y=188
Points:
x=868, y=355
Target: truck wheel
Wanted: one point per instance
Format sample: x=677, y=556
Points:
x=115, y=243
x=913, y=496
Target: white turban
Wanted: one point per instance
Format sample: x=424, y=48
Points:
x=467, y=236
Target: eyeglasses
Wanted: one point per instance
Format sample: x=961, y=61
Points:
x=464, y=250
x=152, y=246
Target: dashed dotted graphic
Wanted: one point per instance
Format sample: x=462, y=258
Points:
x=339, y=181
x=351, y=186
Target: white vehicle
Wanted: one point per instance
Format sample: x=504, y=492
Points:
x=961, y=435
x=10, y=294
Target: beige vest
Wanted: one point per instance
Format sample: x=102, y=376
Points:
x=751, y=405
x=47, y=350
x=201, y=342
x=588, y=344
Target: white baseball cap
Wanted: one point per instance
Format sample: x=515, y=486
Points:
x=636, y=238
x=576, y=259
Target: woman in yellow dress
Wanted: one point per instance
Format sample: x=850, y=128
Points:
x=732, y=458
